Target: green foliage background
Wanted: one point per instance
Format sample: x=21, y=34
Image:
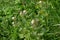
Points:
x=47, y=12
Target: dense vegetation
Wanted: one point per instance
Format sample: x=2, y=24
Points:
x=29, y=19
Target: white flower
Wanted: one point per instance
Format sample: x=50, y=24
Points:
x=23, y=12
x=13, y=17
x=34, y=21
x=13, y=23
x=40, y=2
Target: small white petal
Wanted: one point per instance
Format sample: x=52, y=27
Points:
x=40, y=2
x=33, y=21
x=13, y=23
x=13, y=17
x=21, y=13
x=24, y=12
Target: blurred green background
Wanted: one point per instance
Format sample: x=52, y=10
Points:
x=29, y=19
